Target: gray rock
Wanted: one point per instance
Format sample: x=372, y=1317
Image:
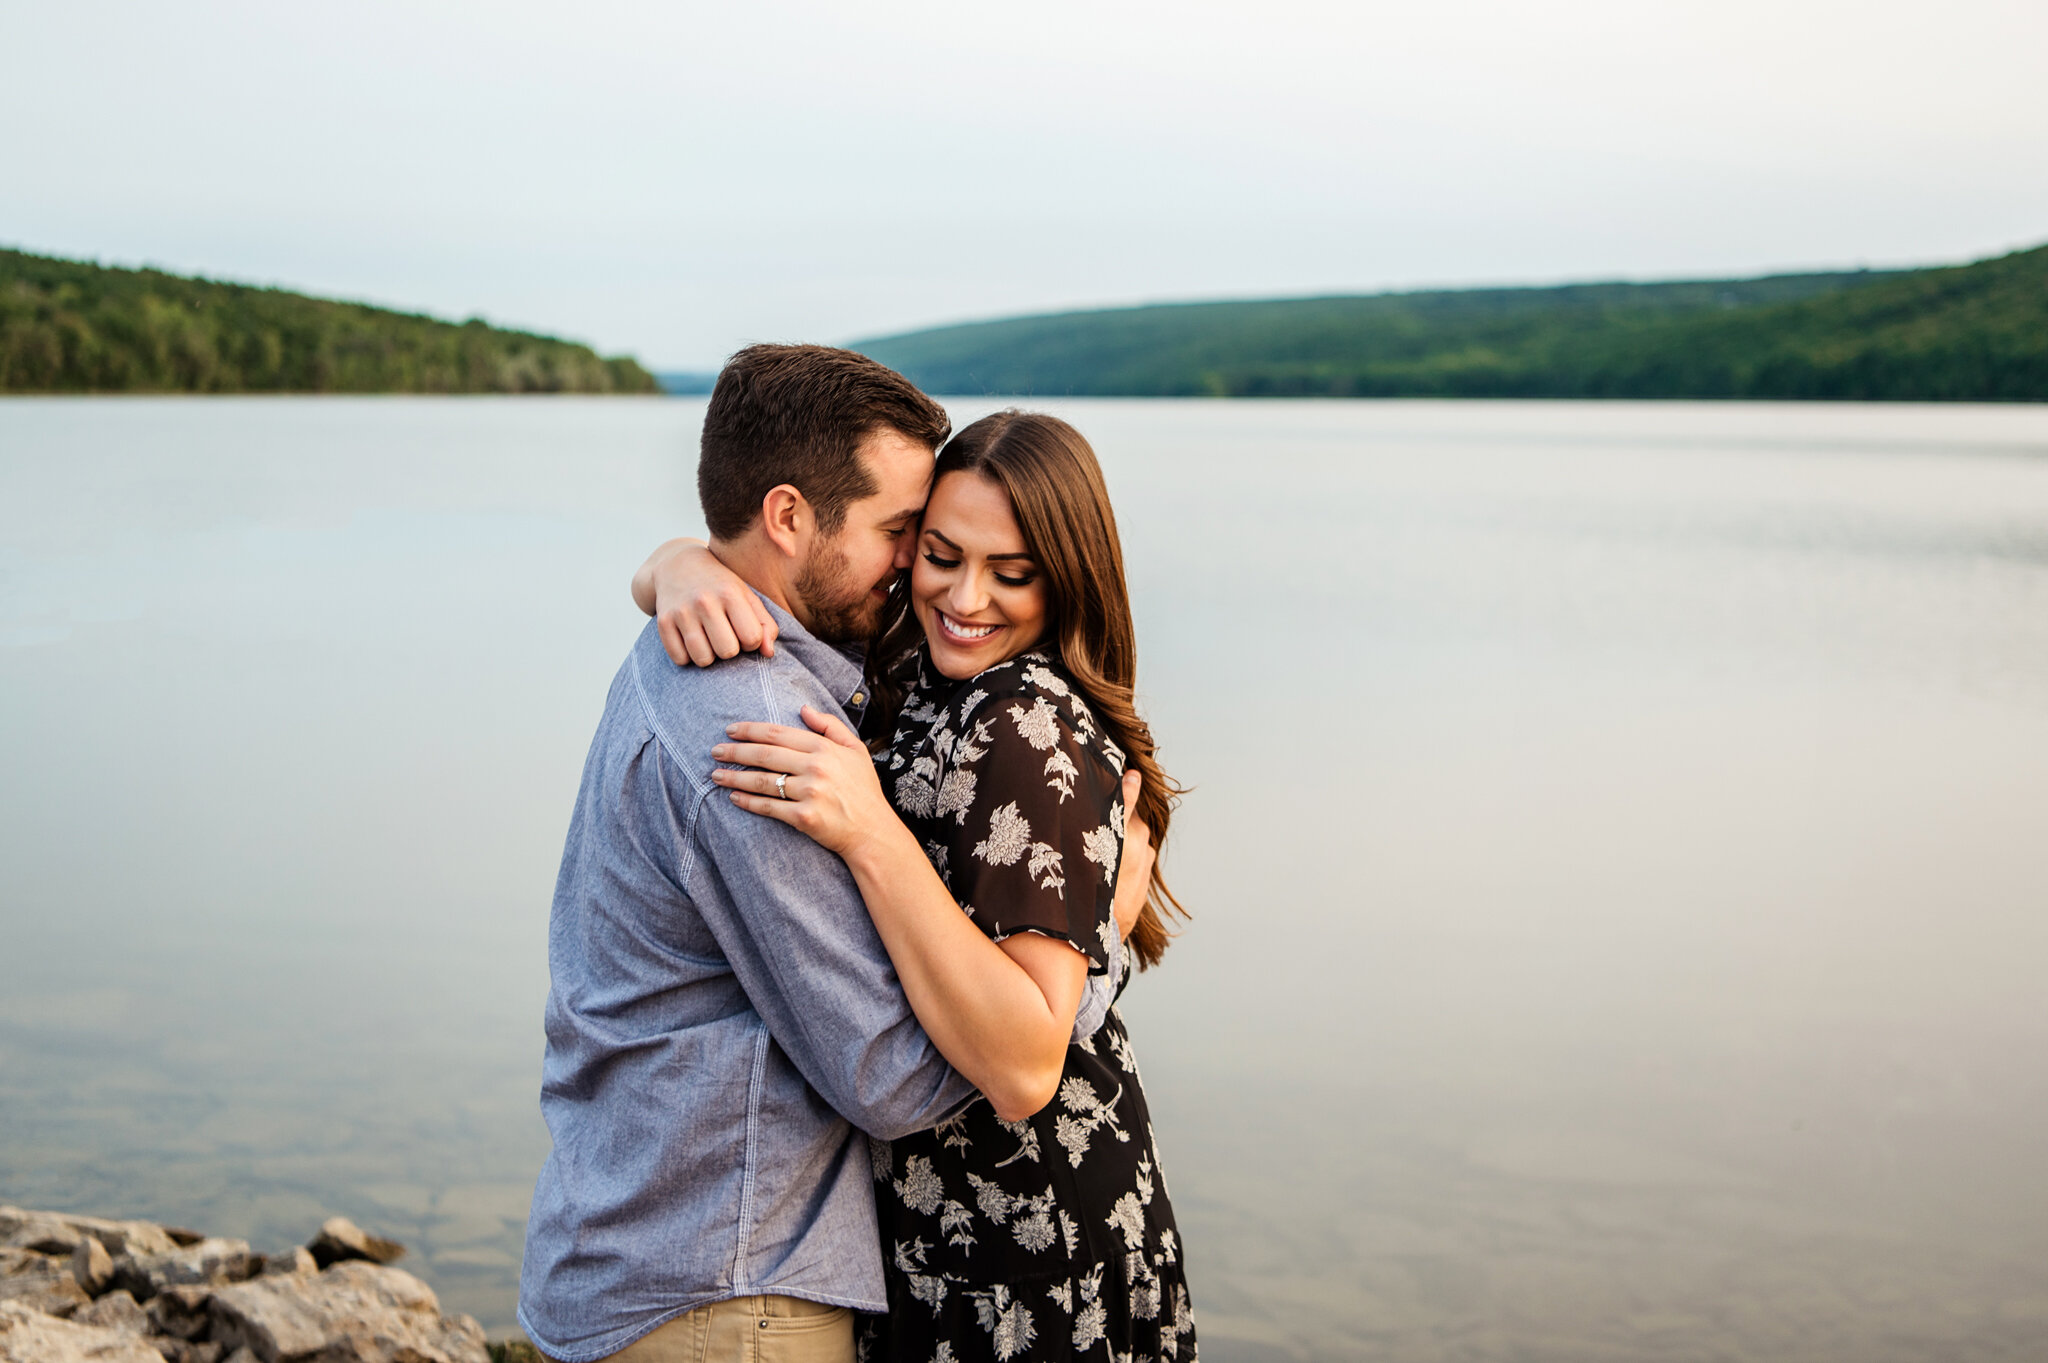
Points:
x=243, y=1356
x=295, y=1260
x=29, y=1336
x=208, y=1263
x=180, y=1312
x=114, y=1311
x=42, y=1282
x=342, y=1239
x=355, y=1311
x=60, y=1232
x=91, y=1266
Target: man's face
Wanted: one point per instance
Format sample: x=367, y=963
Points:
x=846, y=579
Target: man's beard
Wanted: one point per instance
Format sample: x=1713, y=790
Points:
x=842, y=610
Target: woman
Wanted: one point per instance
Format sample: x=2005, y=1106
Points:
x=1035, y=1223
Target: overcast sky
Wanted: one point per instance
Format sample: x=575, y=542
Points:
x=674, y=180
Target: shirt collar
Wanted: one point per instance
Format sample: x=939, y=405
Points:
x=837, y=666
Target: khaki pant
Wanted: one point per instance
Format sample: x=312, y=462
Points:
x=748, y=1330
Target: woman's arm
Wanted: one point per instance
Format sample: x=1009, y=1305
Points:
x=1002, y=1013
x=703, y=609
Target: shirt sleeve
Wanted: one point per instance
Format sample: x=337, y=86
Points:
x=1098, y=996
x=791, y=923
x=1039, y=841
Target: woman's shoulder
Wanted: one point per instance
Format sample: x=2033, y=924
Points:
x=1034, y=695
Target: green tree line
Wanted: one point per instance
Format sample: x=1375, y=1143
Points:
x=72, y=327
x=1974, y=332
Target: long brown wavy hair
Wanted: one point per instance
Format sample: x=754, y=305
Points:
x=1062, y=505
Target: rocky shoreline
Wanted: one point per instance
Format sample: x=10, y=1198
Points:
x=82, y=1289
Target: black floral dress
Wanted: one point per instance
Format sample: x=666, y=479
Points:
x=1049, y=1238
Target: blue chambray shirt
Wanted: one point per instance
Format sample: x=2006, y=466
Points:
x=723, y=1023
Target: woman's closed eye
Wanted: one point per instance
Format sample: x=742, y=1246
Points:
x=1023, y=581
x=937, y=562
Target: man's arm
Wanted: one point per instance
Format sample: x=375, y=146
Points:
x=792, y=925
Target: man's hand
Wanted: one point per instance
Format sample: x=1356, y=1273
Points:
x=1134, y=871
x=702, y=608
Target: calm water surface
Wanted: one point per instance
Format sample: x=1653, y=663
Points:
x=1619, y=850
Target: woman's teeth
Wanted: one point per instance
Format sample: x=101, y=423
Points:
x=960, y=631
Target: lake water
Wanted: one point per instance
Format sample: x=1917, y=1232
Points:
x=1619, y=848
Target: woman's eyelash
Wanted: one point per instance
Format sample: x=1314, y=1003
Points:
x=937, y=562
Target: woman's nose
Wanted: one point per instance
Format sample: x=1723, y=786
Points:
x=967, y=595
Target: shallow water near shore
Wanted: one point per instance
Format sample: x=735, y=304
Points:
x=1619, y=846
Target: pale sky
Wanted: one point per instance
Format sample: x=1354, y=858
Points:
x=677, y=180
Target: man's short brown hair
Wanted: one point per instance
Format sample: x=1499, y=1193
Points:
x=796, y=414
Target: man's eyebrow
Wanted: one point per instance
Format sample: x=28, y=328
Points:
x=910, y=515
x=992, y=558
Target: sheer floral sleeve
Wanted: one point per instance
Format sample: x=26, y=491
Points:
x=1038, y=817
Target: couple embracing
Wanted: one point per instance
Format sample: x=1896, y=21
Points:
x=864, y=842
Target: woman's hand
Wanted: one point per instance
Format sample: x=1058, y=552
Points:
x=703, y=609
x=1134, y=870
x=830, y=790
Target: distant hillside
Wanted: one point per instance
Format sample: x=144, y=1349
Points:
x=686, y=382
x=70, y=327
x=1972, y=332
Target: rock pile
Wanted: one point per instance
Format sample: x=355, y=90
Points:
x=79, y=1289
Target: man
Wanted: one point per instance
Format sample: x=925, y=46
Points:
x=722, y=1016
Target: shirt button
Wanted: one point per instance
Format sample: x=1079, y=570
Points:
x=857, y=698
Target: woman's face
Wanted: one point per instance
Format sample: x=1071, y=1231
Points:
x=974, y=586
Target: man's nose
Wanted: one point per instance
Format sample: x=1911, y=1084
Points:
x=906, y=553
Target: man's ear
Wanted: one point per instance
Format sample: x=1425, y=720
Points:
x=786, y=519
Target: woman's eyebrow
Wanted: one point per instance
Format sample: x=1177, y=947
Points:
x=993, y=558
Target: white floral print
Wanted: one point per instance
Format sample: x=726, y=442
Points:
x=919, y=1187
x=956, y=794
x=1008, y=1323
x=1060, y=772
x=1009, y=833
x=1104, y=848
x=1039, y=726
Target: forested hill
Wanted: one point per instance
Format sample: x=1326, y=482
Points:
x=1971, y=332
x=70, y=327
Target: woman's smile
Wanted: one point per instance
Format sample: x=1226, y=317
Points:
x=964, y=632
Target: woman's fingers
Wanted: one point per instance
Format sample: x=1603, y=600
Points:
x=831, y=727
x=783, y=811
x=767, y=756
x=758, y=783
x=717, y=623
x=695, y=646
x=752, y=625
x=672, y=641
x=781, y=735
